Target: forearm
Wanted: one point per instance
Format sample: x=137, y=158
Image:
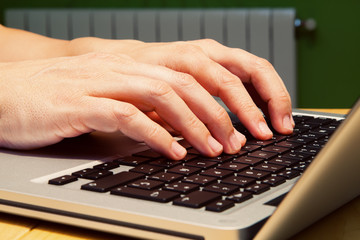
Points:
x=18, y=45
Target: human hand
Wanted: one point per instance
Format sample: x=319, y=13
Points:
x=45, y=101
x=243, y=81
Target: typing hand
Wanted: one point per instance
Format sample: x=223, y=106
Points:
x=45, y=101
x=242, y=80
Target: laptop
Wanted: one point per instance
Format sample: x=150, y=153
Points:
x=269, y=190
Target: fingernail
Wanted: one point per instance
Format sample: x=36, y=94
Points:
x=292, y=121
x=264, y=128
x=179, y=150
x=214, y=145
x=287, y=123
x=236, y=140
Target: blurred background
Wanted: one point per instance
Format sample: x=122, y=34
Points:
x=327, y=51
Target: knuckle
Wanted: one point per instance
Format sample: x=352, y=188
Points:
x=184, y=80
x=209, y=41
x=126, y=113
x=220, y=114
x=262, y=64
x=160, y=89
x=153, y=132
x=185, y=48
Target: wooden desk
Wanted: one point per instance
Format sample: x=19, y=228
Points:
x=342, y=224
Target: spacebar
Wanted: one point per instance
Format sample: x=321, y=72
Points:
x=107, y=183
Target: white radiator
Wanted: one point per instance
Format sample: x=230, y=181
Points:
x=268, y=33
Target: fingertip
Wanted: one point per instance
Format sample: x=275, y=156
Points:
x=178, y=151
x=264, y=130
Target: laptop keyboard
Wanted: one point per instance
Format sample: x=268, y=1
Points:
x=218, y=183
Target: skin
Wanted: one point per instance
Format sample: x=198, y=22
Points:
x=54, y=89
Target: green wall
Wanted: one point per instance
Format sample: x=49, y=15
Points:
x=328, y=59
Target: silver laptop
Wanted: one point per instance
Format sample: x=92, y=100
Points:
x=110, y=183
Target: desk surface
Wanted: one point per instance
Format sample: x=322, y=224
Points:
x=342, y=224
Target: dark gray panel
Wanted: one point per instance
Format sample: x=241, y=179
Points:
x=146, y=25
x=169, y=25
x=259, y=26
x=102, y=23
x=58, y=24
x=15, y=18
x=37, y=20
x=214, y=25
x=124, y=24
x=191, y=24
x=284, y=57
x=80, y=23
x=236, y=28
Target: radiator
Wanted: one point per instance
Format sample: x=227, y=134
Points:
x=268, y=33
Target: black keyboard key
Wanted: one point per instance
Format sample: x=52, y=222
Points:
x=204, y=164
x=182, y=187
x=289, y=174
x=274, y=180
x=219, y=159
x=106, y=183
x=308, y=150
x=248, y=160
x=84, y=172
x=166, y=177
x=233, y=166
x=218, y=173
x=200, y=180
x=254, y=174
x=196, y=199
x=262, y=154
x=148, y=154
x=321, y=121
x=288, y=144
x=185, y=143
x=151, y=195
x=268, y=167
x=147, y=169
x=223, y=189
x=300, y=140
x=184, y=170
x=163, y=162
x=63, y=180
x=296, y=155
x=132, y=160
x=97, y=175
x=251, y=148
x=239, y=197
x=283, y=161
x=301, y=118
x=312, y=135
x=146, y=184
x=301, y=166
x=278, y=138
x=257, y=188
x=325, y=130
x=276, y=149
x=107, y=165
x=262, y=143
x=219, y=205
x=238, y=181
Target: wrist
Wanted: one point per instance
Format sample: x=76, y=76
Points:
x=79, y=46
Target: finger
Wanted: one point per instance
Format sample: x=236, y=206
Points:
x=201, y=103
x=153, y=95
x=261, y=74
x=108, y=115
x=220, y=82
x=156, y=118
